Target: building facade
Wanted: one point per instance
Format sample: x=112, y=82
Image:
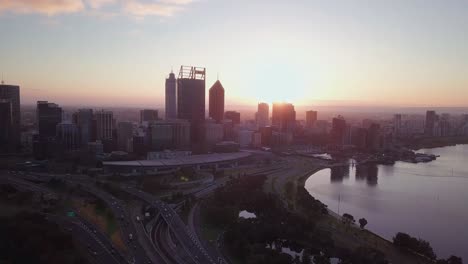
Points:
x=148, y=115
x=262, y=117
x=216, y=101
x=171, y=95
x=10, y=121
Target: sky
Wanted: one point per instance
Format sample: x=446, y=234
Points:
x=308, y=52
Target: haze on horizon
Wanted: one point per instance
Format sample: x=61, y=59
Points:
x=118, y=52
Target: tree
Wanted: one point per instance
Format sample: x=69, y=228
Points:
x=420, y=246
x=348, y=219
x=451, y=260
x=362, y=223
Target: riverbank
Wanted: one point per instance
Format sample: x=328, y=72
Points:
x=352, y=236
x=434, y=142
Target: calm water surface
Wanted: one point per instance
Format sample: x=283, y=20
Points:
x=426, y=200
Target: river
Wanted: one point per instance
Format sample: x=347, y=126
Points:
x=426, y=200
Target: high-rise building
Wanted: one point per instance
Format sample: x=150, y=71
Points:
x=174, y=134
x=374, y=137
x=148, y=115
x=124, y=135
x=397, y=124
x=233, y=116
x=171, y=107
x=191, y=100
x=338, y=132
x=83, y=119
x=263, y=115
x=214, y=133
x=104, y=125
x=67, y=136
x=431, y=119
x=6, y=126
x=216, y=101
x=284, y=117
x=49, y=115
x=311, y=118
x=10, y=123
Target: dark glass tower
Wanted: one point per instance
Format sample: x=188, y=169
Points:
x=10, y=117
x=191, y=100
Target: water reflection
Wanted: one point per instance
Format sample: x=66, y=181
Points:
x=339, y=173
x=426, y=200
x=368, y=172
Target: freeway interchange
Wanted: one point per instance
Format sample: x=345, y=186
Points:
x=166, y=239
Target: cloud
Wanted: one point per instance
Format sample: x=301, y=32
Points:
x=136, y=8
x=96, y=4
x=46, y=7
x=142, y=9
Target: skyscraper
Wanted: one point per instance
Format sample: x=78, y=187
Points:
x=191, y=100
x=104, y=125
x=6, y=126
x=171, y=108
x=338, y=132
x=124, y=135
x=431, y=119
x=397, y=124
x=84, y=121
x=311, y=118
x=216, y=101
x=10, y=123
x=284, y=117
x=49, y=115
x=148, y=115
x=263, y=115
x=67, y=136
x=233, y=116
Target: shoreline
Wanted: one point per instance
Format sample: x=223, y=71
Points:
x=301, y=184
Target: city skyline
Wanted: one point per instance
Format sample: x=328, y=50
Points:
x=107, y=52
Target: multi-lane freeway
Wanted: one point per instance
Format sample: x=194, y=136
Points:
x=184, y=237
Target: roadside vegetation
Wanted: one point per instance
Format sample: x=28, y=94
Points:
x=275, y=231
x=29, y=238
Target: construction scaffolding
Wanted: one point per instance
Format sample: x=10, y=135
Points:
x=190, y=72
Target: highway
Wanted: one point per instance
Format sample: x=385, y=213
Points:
x=197, y=254
x=99, y=246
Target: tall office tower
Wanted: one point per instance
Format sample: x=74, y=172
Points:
x=263, y=115
x=431, y=119
x=124, y=135
x=191, y=100
x=397, y=124
x=148, y=115
x=83, y=119
x=171, y=108
x=233, y=116
x=338, y=131
x=374, y=137
x=10, y=95
x=311, y=118
x=104, y=125
x=284, y=117
x=216, y=101
x=6, y=126
x=67, y=136
x=49, y=115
